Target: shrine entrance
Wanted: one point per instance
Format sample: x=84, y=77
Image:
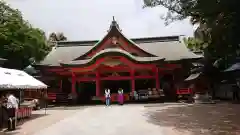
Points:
x=114, y=85
x=86, y=91
x=144, y=84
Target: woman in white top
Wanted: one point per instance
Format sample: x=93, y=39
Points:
x=107, y=96
x=12, y=106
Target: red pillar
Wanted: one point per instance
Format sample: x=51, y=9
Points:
x=60, y=85
x=97, y=84
x=73, y=83
x=132, y=80
x=157, y=79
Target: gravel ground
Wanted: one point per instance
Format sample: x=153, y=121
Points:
x=202, y=119
x=113, y=120
x=39, y=121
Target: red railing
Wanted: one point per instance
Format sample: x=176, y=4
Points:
x=24, y=112
x=58, y=97
x=52, y=96
x=184, y=91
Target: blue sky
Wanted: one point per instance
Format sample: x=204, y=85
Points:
x=90, y=19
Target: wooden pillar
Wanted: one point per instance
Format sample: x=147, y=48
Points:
x=157, y=79
x=73, y=83
x=97, y=84
x=60, y=85
x=132, y=80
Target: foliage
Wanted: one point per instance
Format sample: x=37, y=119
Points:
x=19, y=41
x=59, y=36
x=218, y=21
x=56, y=37
x=195, y=44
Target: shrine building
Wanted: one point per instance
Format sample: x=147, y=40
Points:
x=87, y=68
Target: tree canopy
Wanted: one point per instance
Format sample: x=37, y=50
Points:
x=218, y=22
x=55, y=37
x=19, y=41
x=194, y=44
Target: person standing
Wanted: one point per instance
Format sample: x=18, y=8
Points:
x=236, y=91
x=108, y=96
x=120, y=96
x=12, y=106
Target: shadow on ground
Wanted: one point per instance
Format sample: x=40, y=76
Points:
x=21, y=122
x=33, y=117
x=214, y=119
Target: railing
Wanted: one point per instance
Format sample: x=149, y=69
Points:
x=23, y=112
x=57, y=97
x=184, y=91
x=52, y=96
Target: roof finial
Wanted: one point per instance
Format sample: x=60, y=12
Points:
x=114, y=24
x=113, y=18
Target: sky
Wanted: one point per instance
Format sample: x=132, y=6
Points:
x=90, y=19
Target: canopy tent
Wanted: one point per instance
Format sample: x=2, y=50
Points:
x=16, y=79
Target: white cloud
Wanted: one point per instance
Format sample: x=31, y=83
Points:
x=90, y=19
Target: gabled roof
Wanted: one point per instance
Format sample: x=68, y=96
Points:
x=135, y=40
x=113, y=31
x=168, y=48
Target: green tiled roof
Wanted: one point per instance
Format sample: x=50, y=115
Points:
x=73, y=52
x=169, y=50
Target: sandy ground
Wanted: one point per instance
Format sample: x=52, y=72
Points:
x=201, y=119
x=140, y=119
x=40, y=120
x=114, y=120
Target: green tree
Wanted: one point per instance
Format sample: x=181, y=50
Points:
x=56, y=37
x=19, y=41
x=218, y=22
x=195, y=44
x=59, y=36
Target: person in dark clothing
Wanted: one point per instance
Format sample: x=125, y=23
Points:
x=2, y=112
x=236, y=91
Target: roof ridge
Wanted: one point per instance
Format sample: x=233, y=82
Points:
x=137, y=40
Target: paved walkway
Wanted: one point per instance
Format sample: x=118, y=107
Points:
x=114, y=120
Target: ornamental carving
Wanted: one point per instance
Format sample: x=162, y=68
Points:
x=115, y=74
x=114, y=40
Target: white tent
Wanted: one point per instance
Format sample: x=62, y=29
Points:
x=16, y=79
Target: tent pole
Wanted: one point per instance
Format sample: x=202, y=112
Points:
x=45, y=98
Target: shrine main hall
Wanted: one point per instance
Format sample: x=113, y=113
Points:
x=87, y=68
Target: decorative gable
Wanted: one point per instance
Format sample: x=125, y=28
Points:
x=115, y=39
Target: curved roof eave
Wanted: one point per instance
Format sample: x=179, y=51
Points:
x=182, y=59
x=108, y=52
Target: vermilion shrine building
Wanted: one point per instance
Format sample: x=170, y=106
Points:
x=86, y=68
